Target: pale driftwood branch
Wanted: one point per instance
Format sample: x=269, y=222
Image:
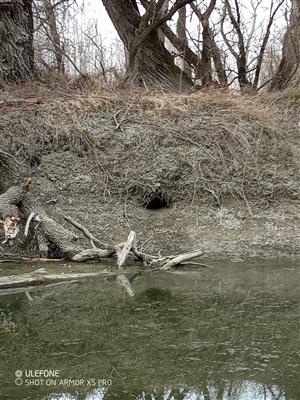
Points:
x=28, y=222
x=122, y=255
x=147, y=259
x=179, y=259
x=41, y=277
x=91, y=254
x=86, y=232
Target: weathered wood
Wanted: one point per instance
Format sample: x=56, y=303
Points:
x=42, y=277
x=179, y=259
x=9, y=210
x=54, y=232
x=91, y=254
x=122, y=255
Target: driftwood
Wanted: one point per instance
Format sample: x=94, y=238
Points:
x=179, y=259
x=125, y=249
x=92, y=254
x=41, y=277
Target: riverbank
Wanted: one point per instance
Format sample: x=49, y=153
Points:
x=207, y=170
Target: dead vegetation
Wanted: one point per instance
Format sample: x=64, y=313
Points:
x=190, y=146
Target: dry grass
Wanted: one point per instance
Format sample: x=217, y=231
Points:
x=210, y=142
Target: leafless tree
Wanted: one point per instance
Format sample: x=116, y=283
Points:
x=238, y=43
x=149, y=62
x=229, y=46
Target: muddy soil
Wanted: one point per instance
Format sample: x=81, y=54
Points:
x=226, y=168
x=236, y=230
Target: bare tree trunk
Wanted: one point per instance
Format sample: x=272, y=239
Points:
x=150, y=64
x=241, y=55
x=164, y=9
x=54, y=35
x=181, y=33
x=207, y=79
x=210, y=49
x=288, y=72
x=218, y=62
x=16, y=49
x=190, y=57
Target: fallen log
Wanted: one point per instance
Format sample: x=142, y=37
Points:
x=179, y=259
x=42, y=277
x=92, y=254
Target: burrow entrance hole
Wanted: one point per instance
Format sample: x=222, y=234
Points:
x=157, y=200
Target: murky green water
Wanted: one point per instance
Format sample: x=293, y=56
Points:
x=227, y=334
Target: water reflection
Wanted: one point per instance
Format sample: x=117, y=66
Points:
x=246, y=390
x=230, y=334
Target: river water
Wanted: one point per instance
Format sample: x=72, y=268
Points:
x=230, y=333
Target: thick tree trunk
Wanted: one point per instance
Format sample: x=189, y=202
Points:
x=153, y=66
x=150, y=64
x=16, y=205
x=16, y=50
x=288, y=73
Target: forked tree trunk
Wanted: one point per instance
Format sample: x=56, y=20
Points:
x=153, y=66
x=16, y=49
x=150, y=64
